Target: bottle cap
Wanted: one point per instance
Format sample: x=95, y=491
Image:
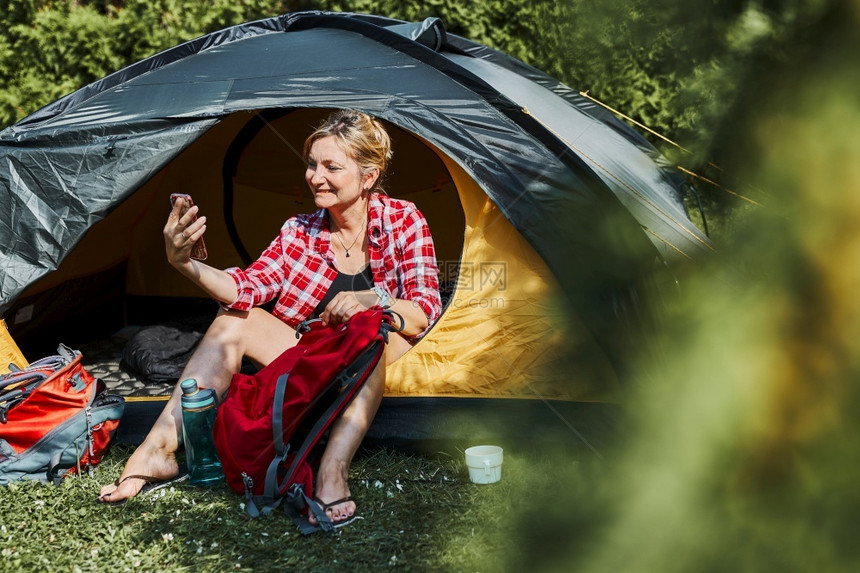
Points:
x=188, y=386
x=196, y=398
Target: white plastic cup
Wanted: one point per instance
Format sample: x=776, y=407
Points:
x=484, y=463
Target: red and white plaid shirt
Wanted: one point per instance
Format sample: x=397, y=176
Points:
x=299, y=266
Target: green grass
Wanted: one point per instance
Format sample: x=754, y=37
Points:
x=420, y=513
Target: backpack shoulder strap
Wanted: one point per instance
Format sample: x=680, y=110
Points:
x=264, y=504
x=351, y=381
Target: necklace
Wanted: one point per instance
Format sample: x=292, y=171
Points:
x=354, y=241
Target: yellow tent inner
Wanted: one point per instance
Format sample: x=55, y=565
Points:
x=504, y=332
x=9, y=351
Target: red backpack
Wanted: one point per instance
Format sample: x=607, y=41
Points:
x=55, y=419
x=264, y=414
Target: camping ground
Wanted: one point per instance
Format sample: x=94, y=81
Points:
x=419, y=513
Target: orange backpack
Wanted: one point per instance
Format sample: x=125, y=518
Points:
x=55, y=419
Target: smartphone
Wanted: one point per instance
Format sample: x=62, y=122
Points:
x=198, y=249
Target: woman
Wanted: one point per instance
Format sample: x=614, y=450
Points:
x=360, y=249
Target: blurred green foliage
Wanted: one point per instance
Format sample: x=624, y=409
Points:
x=683, y=69
x=740, y=455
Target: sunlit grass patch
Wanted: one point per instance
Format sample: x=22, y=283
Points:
x=419, y=512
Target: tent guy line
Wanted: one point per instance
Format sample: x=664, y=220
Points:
x=633, y=190
x=669, y=141
x=718, y=186
x=585, y=94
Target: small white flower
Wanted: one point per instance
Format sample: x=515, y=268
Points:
x=167, y=537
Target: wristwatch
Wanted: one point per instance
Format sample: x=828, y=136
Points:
x=384, y=297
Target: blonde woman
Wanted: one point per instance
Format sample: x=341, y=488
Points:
x=360, y=249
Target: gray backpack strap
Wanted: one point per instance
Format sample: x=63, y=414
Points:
x=296, y=500
x=55, y=470
x=347, y=380
x=271, y=498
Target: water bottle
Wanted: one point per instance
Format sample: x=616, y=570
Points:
x=198, y=418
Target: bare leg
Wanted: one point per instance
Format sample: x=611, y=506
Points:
x=348, y=432
x=232, y=335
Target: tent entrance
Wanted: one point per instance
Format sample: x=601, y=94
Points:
x=502, y=333
x=247, y=175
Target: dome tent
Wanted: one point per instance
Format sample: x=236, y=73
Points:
x=535, y=197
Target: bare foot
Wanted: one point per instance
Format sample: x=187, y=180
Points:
x=145, y=461
x=331, y=486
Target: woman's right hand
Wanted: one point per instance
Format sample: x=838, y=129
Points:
x=181, y=232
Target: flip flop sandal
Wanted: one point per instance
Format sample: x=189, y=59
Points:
x=150, y=485
x=344, y=522
x=326, y=506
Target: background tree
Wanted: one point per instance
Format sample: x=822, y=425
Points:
x=49, y=48
x=684, y=69
x=679, y=68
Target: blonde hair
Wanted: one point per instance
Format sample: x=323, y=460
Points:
x=362, y=137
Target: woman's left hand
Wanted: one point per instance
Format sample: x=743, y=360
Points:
x=347, y=304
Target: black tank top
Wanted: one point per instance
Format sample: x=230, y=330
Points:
x=344, y=282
